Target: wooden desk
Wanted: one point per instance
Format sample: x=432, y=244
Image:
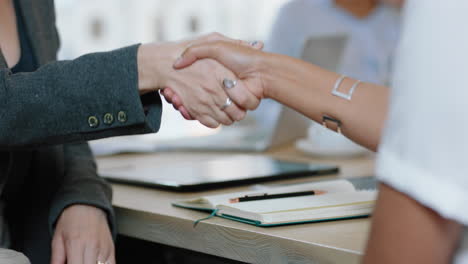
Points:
x=147, y=214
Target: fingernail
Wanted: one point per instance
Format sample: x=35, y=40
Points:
x=178, y=61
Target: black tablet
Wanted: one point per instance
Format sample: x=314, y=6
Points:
x=215, y=173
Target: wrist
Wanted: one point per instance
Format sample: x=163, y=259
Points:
x=155, y=64
x=269, y=66
x=145, y=82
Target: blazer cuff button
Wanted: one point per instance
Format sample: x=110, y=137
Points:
x=108, y=119
x=93, y=121
x=122, y=117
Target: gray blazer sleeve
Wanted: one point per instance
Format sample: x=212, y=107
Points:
x=67, y=101
x=81, y=185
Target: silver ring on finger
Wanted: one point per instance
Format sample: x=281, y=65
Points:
x=229, y=84
x=227, y=103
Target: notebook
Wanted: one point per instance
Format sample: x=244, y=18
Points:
x=341, y=200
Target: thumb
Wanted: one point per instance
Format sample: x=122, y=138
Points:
x=198, y=52
x=58, y=250
x=233, y=55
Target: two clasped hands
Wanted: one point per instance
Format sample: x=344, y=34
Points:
x=207, y=90
x=215, y=80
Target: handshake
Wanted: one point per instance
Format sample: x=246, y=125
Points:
x=212, y=79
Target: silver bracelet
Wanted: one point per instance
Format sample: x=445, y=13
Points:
x=346, y=96
x=337, y=122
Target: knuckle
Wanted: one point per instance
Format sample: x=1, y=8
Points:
x=199, y=100
x=107, y=253
x=210, y=124
x=194, y=114
x=203, y=120
x=242, y=100
x=191, y=109
x=73, y=236
x=227, y=122
x=217, y=46
x=241, y=115
x=168, y=92
x=94, y=245
x=177, y=102
x=255, y=105
x=204, y=100
x=216, y=93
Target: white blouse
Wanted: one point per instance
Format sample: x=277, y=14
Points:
x=424, y=151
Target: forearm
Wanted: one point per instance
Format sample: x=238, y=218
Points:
x=404, y=231
x=81, y=185
x=307, y=89
x=67, y=101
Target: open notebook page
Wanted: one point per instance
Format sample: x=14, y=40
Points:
x=336, y=186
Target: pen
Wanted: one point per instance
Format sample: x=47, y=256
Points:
x=266, y=196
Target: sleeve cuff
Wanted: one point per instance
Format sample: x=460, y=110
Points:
x=69, y=200
x=446, y=198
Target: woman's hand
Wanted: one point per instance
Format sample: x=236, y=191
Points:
x=82, y=236
x=199, y=87
x=244, y=60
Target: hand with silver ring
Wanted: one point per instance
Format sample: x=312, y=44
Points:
x=246, y=63
x=229, y=83
x=199, y=88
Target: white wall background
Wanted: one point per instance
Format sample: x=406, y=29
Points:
x=99, y=25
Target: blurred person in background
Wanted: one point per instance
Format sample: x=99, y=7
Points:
x=371, y=28
x=53, y=205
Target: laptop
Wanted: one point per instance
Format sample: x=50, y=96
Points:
x=213, y=173
x=325, y=51
x=245, y=137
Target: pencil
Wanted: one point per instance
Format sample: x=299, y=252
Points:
x=267, y=196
